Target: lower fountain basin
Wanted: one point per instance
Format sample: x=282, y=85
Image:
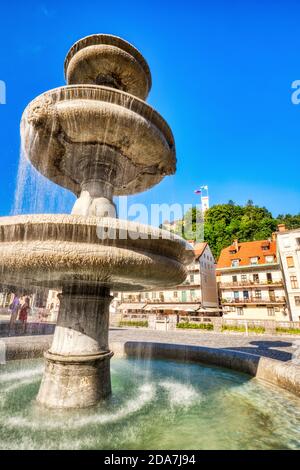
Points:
x=56, y=250
x=156, y=404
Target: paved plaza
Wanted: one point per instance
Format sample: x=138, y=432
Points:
x=284, y=348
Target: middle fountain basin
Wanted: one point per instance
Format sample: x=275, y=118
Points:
x=57, y=250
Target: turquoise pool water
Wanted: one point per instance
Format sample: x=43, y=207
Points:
x=156, y=404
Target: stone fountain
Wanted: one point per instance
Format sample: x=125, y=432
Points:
x=98, y=138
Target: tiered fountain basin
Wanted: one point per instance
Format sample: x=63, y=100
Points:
x=104, y=58
x=96, y=139
x=57, y=250
x=86, y=258
x=69, y=130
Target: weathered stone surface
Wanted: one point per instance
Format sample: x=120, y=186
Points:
x=94, y=137
x=77, y=370
x=103, y=59
x=54, y=250
x=74, y=384
x=97, y=141
x=72, y=126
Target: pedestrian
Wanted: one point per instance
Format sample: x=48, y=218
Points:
x=24, y=311
x=14, y=308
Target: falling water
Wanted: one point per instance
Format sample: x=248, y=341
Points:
x=35, y=194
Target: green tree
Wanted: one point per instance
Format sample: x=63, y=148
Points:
x=226, y=222
x=291, y=221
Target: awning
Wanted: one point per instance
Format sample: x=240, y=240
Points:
x=132, y=306
x=209, y=310
x=175, y=307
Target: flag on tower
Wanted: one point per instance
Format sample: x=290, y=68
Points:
x=197, y=191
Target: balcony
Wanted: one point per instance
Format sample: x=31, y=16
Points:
x=229, y=285
x=173, y=300
x=254, y=300
x=188, y=283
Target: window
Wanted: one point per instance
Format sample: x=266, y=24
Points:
x=257, y=294
x=297, y=300
x=298, y=241
x=244, y=277
x=240, y=310
x=290, y=262
x=192, y=278
x=269, y=277
x=271, y=312
x=234, y=278
x=255, y=278
x=153, y=295
x=175, y=294
x=235, y=262
x=269, y=259
x=294, y=282
x=272, y=295
x=246, y=294
x=254, y=260
x=146, y=295
x=192, y=292
x=236, y=295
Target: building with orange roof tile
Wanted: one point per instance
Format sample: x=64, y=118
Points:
x=250, y=281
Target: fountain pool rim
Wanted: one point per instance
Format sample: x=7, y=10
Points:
x=285, y=375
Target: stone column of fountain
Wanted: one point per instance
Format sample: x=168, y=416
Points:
x=98, y=138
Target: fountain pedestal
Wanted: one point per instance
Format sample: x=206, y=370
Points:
x=77, y=372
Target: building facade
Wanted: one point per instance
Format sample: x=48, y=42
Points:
x=288, y=244
x=250, y=281
x=198, y=295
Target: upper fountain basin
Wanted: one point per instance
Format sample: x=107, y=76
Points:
x=104, y=59
x=74, y=127
x=56, y=250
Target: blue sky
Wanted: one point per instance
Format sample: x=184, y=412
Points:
x=222, y=74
